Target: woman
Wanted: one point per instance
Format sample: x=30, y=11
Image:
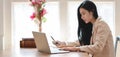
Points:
x=101, y=42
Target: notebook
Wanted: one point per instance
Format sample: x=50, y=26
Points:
x=43, y=45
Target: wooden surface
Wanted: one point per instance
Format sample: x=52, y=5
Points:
x=27, y=43
x=33, y=52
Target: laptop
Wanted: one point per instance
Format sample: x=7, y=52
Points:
x=43, y=45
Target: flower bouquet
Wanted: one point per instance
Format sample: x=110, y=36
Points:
x=38, y=15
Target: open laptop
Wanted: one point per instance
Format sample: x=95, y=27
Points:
x=43, y=45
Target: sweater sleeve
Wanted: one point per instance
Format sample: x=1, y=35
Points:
x=73, y=44
x=100, y=39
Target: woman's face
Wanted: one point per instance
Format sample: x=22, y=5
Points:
x=86, y=15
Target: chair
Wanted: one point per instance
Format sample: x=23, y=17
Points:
x=116, y=45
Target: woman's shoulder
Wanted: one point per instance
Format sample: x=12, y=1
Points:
x=101, y=23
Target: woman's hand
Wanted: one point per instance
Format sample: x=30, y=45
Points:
x=72, y=49
x=59, y=44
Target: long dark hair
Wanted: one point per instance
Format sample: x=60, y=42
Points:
x=85, y=30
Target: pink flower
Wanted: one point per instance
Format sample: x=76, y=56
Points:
x=33, y=16
x=33, y=3
x=38, y=4
x=43, y=12
x=40, y=0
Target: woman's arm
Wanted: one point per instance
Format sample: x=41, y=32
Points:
x=66, y=44
x=73, y=44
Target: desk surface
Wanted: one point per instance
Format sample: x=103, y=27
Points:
x=33, y=52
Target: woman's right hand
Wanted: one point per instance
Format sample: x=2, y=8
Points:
x=59, y=44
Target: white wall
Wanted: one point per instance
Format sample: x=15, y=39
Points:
x=117, y=17
x=7, y=22
x=1, y=25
